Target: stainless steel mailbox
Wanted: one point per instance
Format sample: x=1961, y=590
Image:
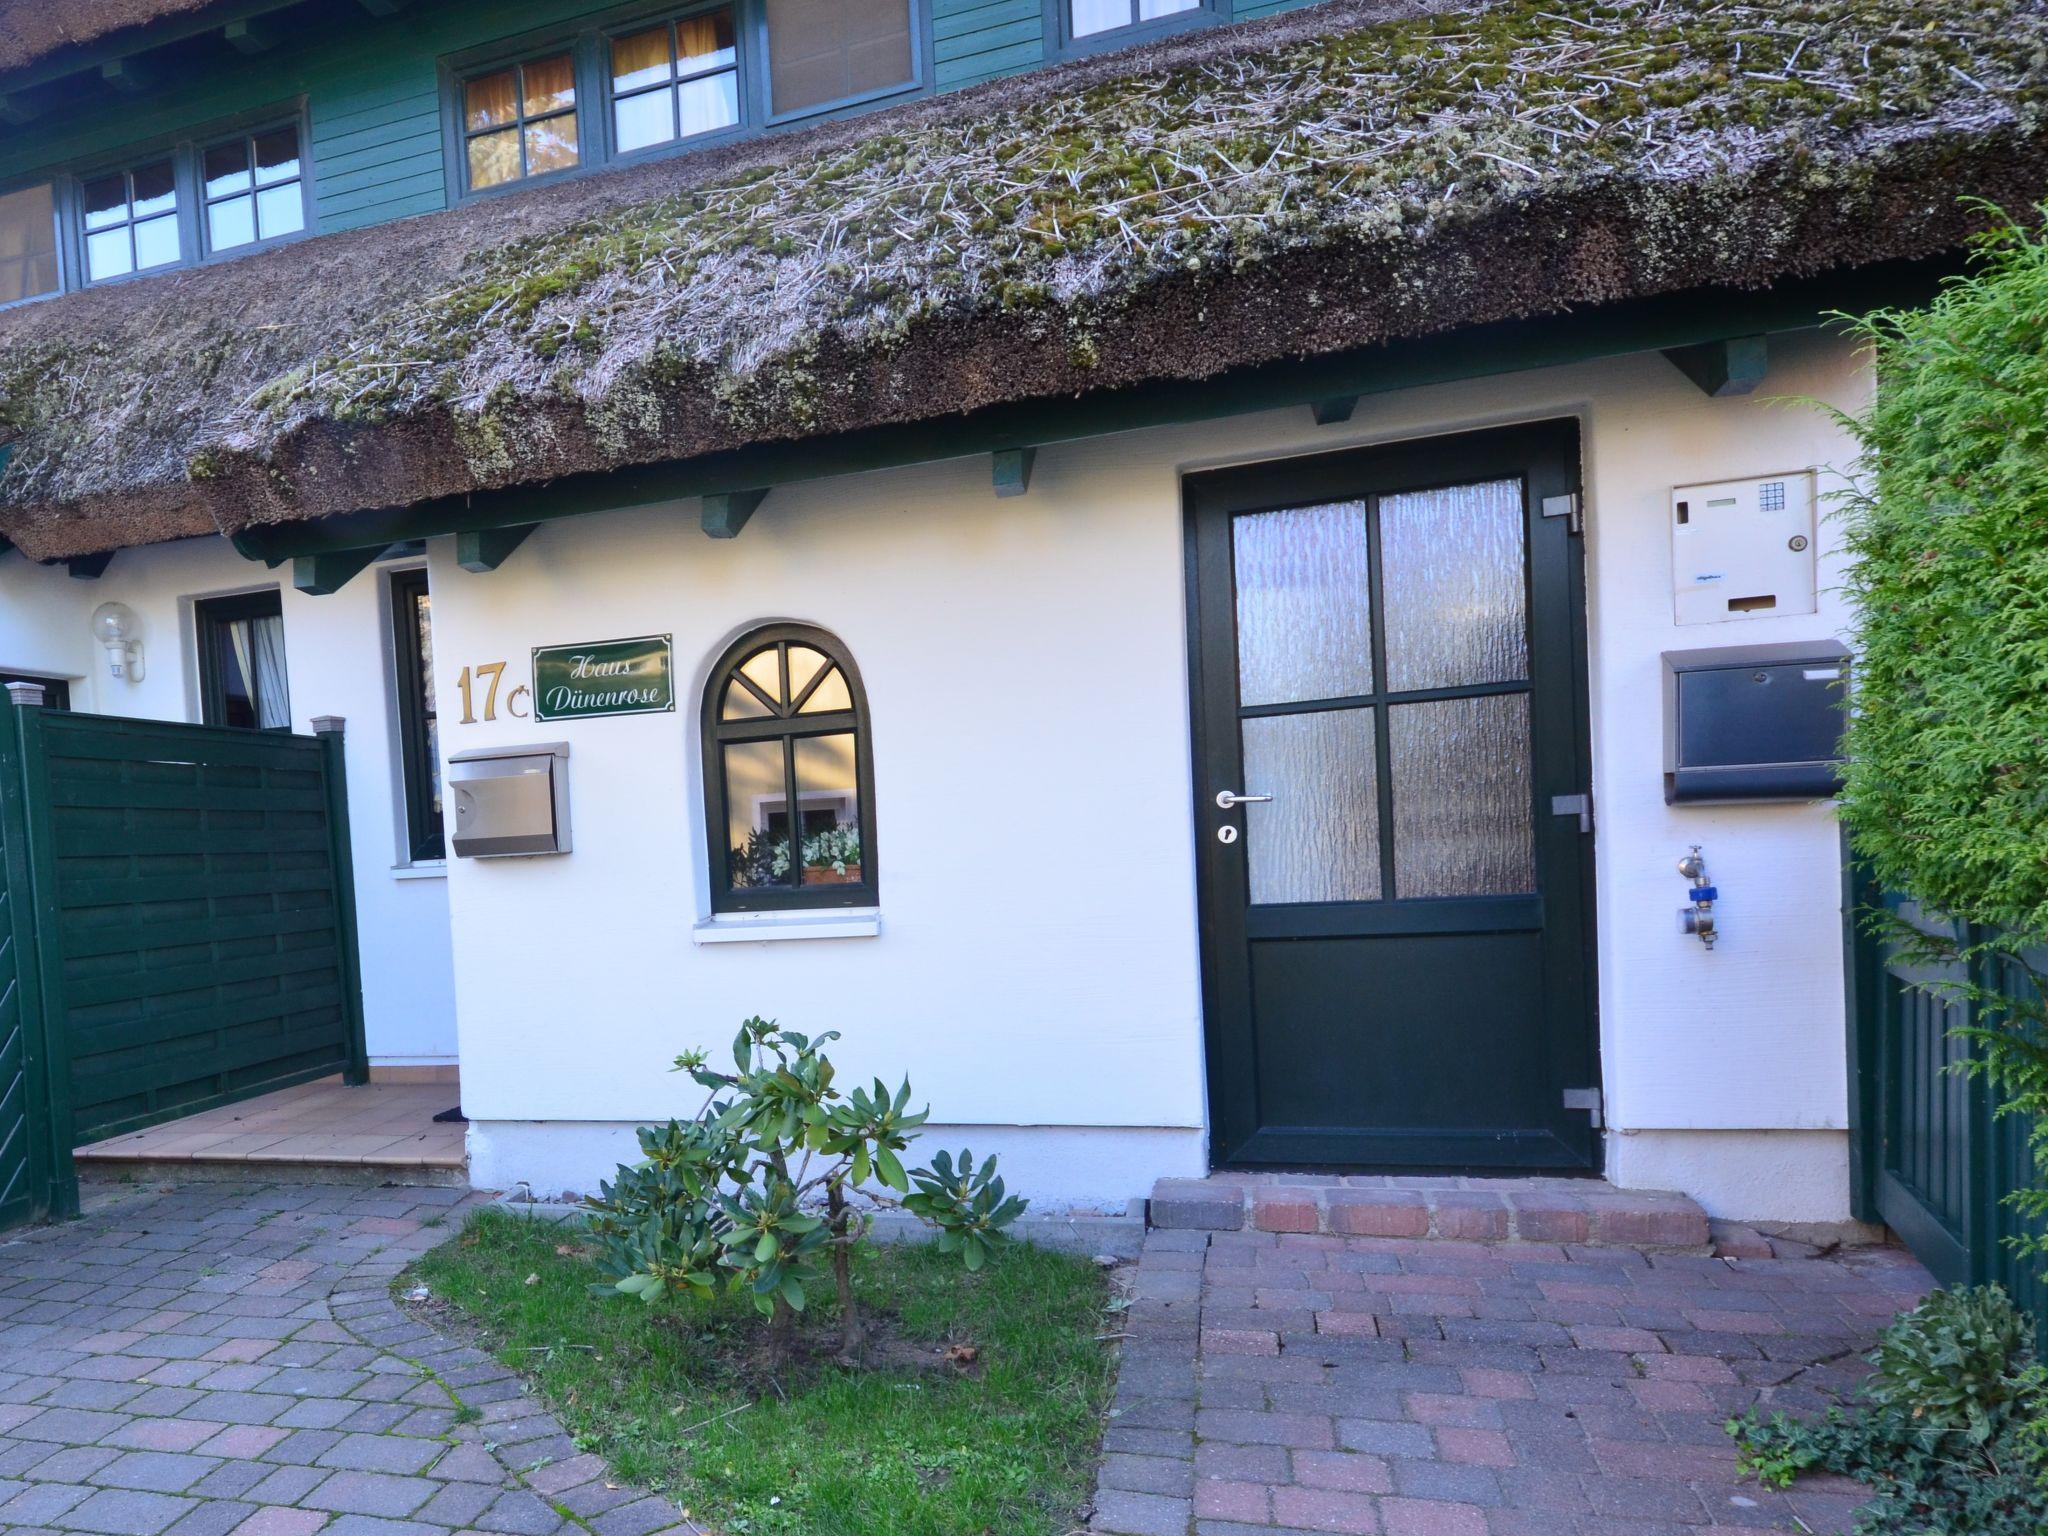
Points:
x=1754, y=722
x=510, y=800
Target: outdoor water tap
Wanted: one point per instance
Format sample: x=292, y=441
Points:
x=1698, y=919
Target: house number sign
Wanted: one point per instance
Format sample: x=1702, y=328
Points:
x=603, y=677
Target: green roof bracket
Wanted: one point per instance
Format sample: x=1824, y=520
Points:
x=86, y=567
x=128, y=76
x=252, y=34
x=726, y=512
x=1013, y=470
x=489, y=548
x=1724, y=369
x=248, y=546
x=324, y=575
x=1333, y=410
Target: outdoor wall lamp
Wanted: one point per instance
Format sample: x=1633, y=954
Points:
x=114, y=625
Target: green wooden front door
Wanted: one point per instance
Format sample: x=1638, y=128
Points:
x=1388, y=665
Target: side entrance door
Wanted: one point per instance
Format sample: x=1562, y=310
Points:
x=1389, y=715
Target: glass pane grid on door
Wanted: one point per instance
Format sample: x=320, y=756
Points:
x=1383, y=671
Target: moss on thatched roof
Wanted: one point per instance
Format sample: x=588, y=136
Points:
x=1341, y=176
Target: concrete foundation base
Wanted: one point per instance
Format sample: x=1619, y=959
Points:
x=1059, y=1168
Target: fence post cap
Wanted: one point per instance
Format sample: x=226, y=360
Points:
x=25, y=694
x=329, y=725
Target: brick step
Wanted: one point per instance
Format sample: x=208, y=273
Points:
x=1588, y=1211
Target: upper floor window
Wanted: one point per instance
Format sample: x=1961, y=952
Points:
x=521, y=121
x=131, y=220
x=241, y=662
x=823, y=51
x=28, y=244
x=639, y=85
x=1090, y=18
x=203, y=197
x=788, y=775
x=675, y=81
x=255, y=189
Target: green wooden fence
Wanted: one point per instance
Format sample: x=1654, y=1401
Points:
x=1931, y=1157
x=177, y=923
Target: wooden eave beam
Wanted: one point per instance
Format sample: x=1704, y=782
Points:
x=485, y=549
x=129, y=76
x=383, y=7
x=1643, y=326
x=90, y=58
x=1731, y=366
x=1011, y=470
x=726, y=512
x=326, y=574
x=252, y=34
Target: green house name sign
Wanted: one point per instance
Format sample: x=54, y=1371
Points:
x=604, y=677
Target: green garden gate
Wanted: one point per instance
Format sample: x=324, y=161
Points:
x=1930, y=1157
x=177, y=930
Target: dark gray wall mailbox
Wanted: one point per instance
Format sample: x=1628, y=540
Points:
x=1754, y=722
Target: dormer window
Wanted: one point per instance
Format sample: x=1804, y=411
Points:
x=520, y=121
x=656, y=82
x=28, y=244
x=675, y=81
x=131, y=220
x=1090, y=19
x=255, y=189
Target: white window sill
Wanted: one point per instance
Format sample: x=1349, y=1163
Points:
x=424, y=870
x=769, y=927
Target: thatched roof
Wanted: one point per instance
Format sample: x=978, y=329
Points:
x=32, y=30
x=1337, y=177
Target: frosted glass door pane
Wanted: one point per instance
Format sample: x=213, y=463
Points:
x=1453, y=586
x=1304, y=604
x=1461, y=797
x=1319, y=838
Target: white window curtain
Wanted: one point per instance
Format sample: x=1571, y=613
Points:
x=259, y=653
x=273, y=694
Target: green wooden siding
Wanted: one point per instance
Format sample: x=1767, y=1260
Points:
x=976, y=40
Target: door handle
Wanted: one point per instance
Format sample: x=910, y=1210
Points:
x=1227, y=799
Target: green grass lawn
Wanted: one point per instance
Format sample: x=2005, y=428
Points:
x=1006, y=1447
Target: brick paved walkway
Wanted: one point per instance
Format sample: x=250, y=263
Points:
x=1404, y=1388
x=222, y=1358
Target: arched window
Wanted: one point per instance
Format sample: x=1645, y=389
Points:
x=788, y=775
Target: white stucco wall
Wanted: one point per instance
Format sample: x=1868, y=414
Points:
x=1026, y=666
x=337, y=660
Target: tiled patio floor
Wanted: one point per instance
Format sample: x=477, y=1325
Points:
x=323, y=1124
x=219, y=1359
x=1388, y=1387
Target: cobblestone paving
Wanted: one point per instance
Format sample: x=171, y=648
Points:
x=220, y=1358
x=1401, y=1388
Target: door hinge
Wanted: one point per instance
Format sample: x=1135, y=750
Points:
x=1587, y=1099
x=1580, y=806
x=1567, y=507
